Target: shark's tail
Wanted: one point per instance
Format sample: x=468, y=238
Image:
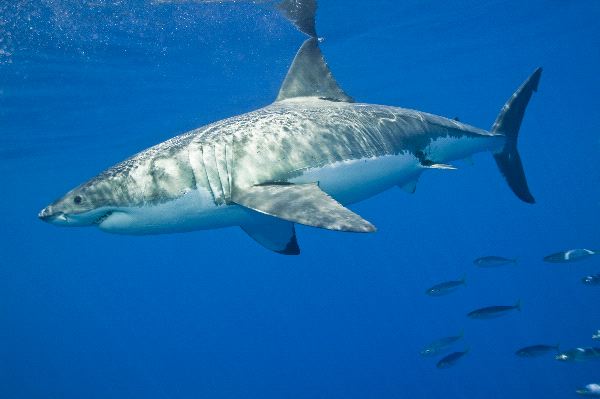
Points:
x=508, y=123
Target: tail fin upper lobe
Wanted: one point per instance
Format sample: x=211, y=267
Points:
x=508, y=123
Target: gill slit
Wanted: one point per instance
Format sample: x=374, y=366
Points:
x=212, y=193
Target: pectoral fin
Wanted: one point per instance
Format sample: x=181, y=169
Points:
x=301, y=203
x=272, y=233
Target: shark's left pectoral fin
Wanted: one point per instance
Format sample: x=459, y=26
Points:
x=301, y=203
x=272, y=233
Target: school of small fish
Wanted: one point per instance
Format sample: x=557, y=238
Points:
x=579, y=354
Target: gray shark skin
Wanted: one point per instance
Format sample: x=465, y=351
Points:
x=298, y=160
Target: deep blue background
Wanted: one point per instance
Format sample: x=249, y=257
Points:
x=83, y=314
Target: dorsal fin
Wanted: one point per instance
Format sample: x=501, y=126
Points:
x=309, y=76
x=301, y=13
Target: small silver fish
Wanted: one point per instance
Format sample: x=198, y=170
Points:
x=445, y=287
x=491, y=312
x=570, y=255
x=597, y=335
x=593, y=279
x=579, y=355
x=536, y=350
x=493, y=261
x=589, y=390
x=441, y=345
x=451, y=359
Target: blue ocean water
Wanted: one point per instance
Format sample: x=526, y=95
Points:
x=210, y=314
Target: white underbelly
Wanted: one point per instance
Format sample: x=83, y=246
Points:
x=195, y=210
x=448, y=149
x=347, y=181
x=356, y=180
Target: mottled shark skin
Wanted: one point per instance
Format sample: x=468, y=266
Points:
x=301, y=159
x=300, y=140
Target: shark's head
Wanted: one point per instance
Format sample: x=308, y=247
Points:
x=82, y=206
x=145, y=194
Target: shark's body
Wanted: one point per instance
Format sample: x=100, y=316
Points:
x=353, y=150
x=298, y=160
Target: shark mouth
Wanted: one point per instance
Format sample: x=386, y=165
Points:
x=103, y=218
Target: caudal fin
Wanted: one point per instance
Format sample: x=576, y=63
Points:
x=508, y=123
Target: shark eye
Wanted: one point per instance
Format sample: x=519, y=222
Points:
x=77, y=199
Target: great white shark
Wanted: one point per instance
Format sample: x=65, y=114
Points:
x=302, y=159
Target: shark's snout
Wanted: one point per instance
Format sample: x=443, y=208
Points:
x=45, y=214
x=48, y=214
x=60, y=215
